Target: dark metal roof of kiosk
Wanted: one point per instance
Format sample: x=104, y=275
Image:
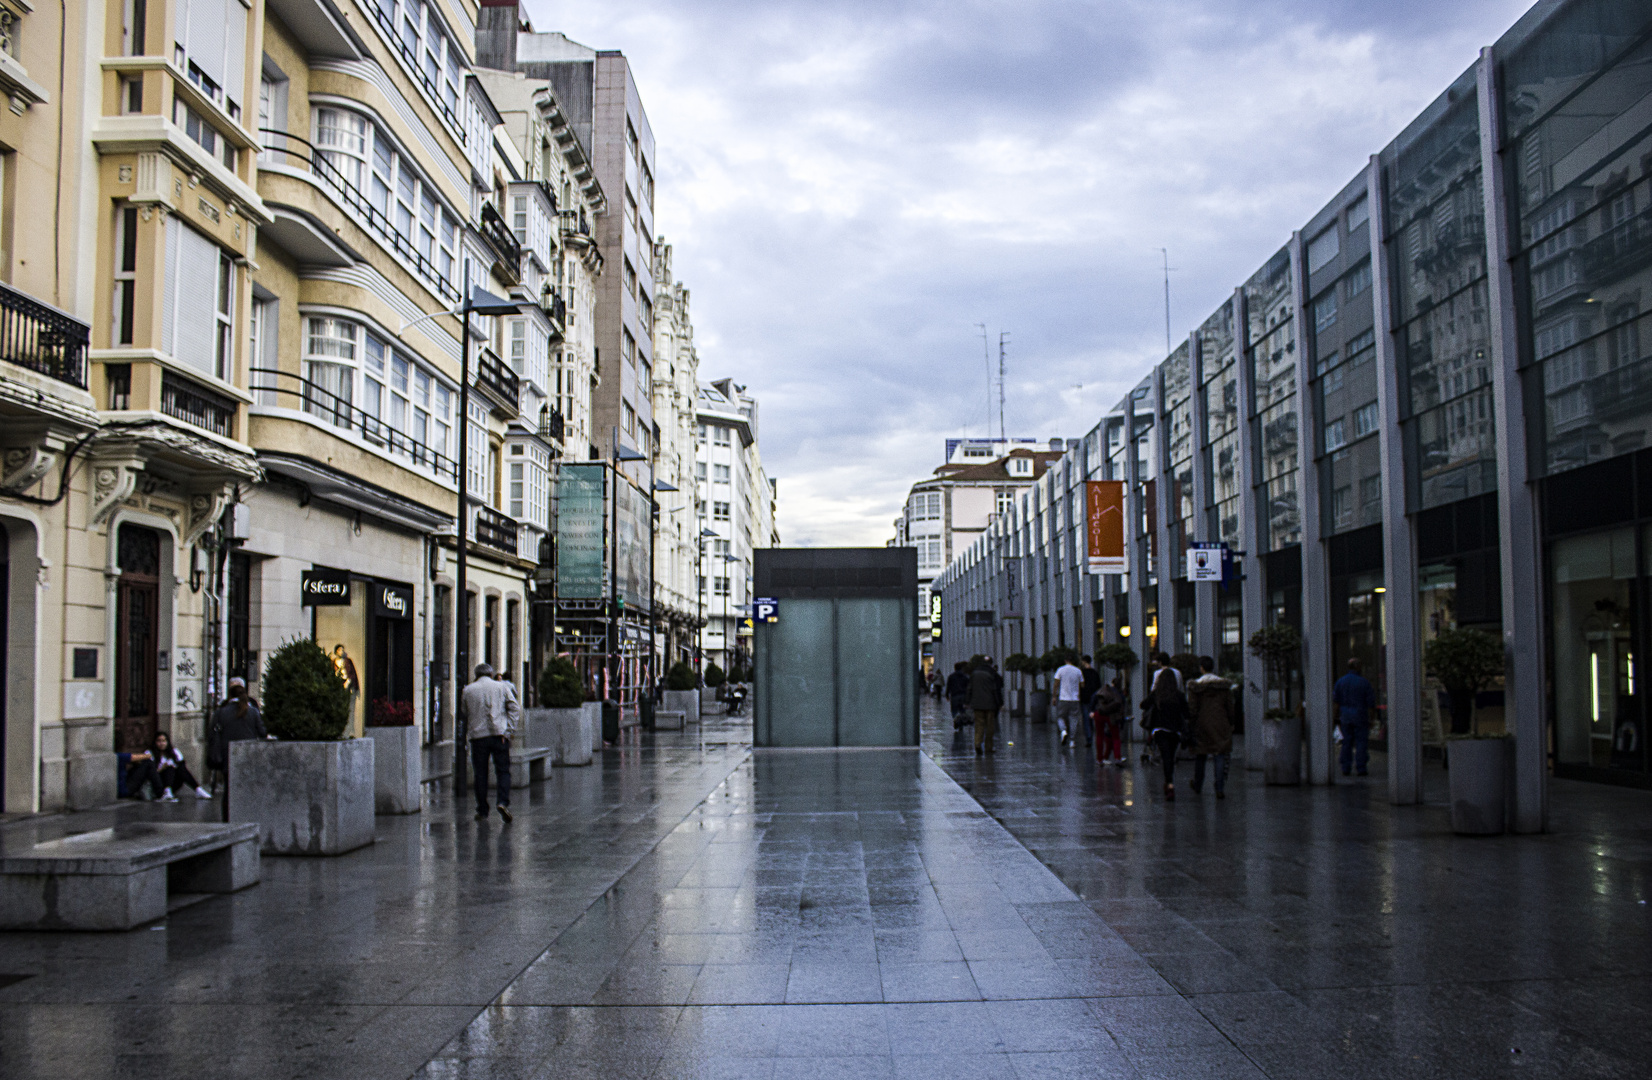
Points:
x=836, y=572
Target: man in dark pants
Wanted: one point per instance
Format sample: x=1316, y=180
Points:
x=492, y=714
x=1355, y=700
x=957, y=694
x=1087, y=694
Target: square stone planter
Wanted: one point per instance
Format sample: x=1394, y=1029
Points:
x=591, y=717
x=1478, y=771
x=709, y=705
x=686, y=702
x=1040, y=707
x=398, y=769
x=564, y=732
x=1282, y=751
x=307, y=798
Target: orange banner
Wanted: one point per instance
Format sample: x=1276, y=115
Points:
x=1106, y=527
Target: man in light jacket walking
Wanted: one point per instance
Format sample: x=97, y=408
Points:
x=1069, y=699
x=492, y=715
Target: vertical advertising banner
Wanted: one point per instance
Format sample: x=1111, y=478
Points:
x=1105, y=527
x=580, y=530
x=634, y=510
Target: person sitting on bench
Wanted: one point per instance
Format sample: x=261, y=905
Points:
x=140, y=770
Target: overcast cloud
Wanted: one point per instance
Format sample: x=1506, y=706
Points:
x=851, y=186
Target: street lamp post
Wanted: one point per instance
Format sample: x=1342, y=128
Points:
x=653, y=583
x=477, y=301
x=700, y=595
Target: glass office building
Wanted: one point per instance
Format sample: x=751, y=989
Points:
x=1430, y=409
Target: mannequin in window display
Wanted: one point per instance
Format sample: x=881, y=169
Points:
x=346, y=669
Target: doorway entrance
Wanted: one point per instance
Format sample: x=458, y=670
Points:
x=137, y=625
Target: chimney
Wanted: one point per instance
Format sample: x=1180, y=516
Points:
x=496, y=29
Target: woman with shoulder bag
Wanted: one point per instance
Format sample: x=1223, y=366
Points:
x=1164, y=718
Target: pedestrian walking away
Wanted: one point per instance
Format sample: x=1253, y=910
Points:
x=1108, y=709
x=957, y=694
x=1210, y=701
x=1087, y=694
x=236, y=719
x=1164, y=718
x=1069, y=703
x=1356, y=700
x=985, y=699
x=492, y=716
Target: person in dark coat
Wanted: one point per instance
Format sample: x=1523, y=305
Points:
x=985, y=699
x=957, y=694
x=1355, y=700
x=1164, y=717
x=1087, y=691
x=236, y=719
x=1210, y=700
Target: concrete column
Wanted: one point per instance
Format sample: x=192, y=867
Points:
x=1206, y=633
x=1253, y=593
x=1316, y=577
x=1519, y=538
x=1134, y=547
x=1162, y=499
x=1399, y=556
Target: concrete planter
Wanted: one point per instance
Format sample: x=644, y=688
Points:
x=307, y=798
x=686, y=702
x=1040, y=706
x=566, y=732
x=1018, y=702
x=591, y=717
x=1478, y=770
x=1282, y=751
x=398, y=769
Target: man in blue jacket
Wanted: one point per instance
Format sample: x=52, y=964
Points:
x=1355, y=701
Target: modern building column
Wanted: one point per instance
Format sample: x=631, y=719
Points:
x=1134, y=547
x=1207, y=634
x=1253, y=589
x=1163, y=479
x=1316, y=578
x=1399, y=558
x=1519, y=541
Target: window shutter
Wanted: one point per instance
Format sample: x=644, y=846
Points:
x=235, y=50
x=204, y=25
x=197, y=288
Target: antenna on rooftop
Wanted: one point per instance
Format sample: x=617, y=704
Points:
x=986, y=354
x=1003, y=338
x=1167, y=268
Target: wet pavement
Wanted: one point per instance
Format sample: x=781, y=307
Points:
x=689, y=908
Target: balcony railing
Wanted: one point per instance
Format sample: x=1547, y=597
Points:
x=495, y=530
x=384, y=13
x=283, y=389
x=195, y=404
x=499, y=384
x=41, y=338
x=553, y=425
x=503, y=241
x=557, y=309
x=283, y=147
x=575, y=224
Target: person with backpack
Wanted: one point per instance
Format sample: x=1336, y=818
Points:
x=1164, y=718
x=236, y=719
x=957, y=694
x=1107, y=711
x=1210, y=700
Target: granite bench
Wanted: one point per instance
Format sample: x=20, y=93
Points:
x=121, y=877
x=528, y=765
x=670, y=720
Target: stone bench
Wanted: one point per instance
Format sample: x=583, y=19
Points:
x=670, y=720
x=121, y=877
x=528, y=765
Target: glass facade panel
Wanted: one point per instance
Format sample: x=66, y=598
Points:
x=1577, y=98
x=1595, y=592
x=1272, y=356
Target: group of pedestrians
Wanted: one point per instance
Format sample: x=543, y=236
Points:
x=1198, y=715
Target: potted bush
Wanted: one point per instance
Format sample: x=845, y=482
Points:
x=398, y=767
x=309, y=791
x=561, y=723
x=1020, y=665
x=1465, y=662
x=1278, y=647
x=714, y=680
x=1121, y=658
x=682, y=693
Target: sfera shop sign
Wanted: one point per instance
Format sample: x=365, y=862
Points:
x=392, y=601
x=322, y=587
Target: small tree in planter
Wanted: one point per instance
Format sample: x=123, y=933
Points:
x=1277, y=647
x=311, y=792
x=1118, y=656
x=681, y=677
x=304, y=699
x=715, y=676
x=1188, y=665
x=1465, y=661
x=560, y=686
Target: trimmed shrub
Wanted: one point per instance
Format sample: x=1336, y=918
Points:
x=560, y=686
x=681, y=677
x=304, y=698
x=715, y=676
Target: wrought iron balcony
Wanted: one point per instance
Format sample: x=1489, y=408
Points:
x=195, y=404
x=41, y=338
x=281, y=389
x=495, y=530
x=553, y=426
x=499, y=384
x=557, y=308
x=503, y=241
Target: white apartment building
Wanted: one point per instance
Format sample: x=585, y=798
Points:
x=736, y=516
x=677, y=530
x=945, y=513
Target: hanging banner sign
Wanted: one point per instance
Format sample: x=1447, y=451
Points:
x=935, y=616
x=324, y=588
x=1204, y=562
x=581, y=532
x=1105, y=527
x=979, y=618
x=392, y=601
x=766, y=609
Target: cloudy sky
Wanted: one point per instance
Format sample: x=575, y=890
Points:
x=851, y=186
